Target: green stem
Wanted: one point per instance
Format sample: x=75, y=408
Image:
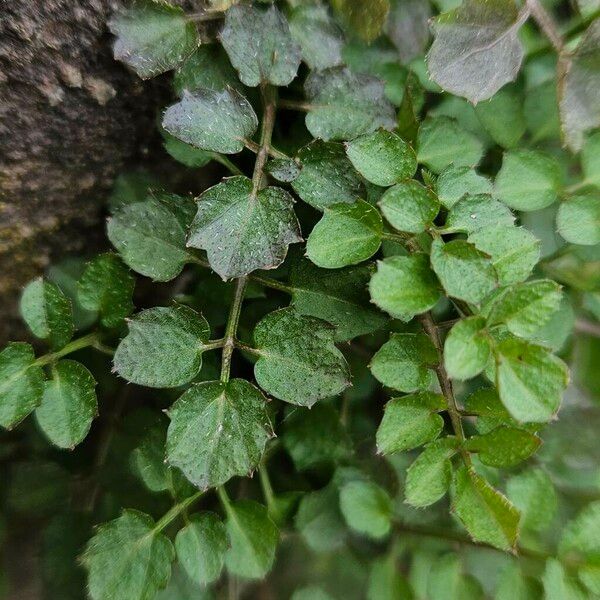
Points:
x=231, y=328
x=297, y=105
x=83, y=342
x=213, y=344
x=175, y=511
x=274, y=284
x=234, y=169
x=224, y=499
x=546, y=23
x=267, y=488
x=395, y=237
x=273, y=152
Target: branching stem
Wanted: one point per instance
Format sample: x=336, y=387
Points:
x=231, y=328
x=546, y=23
x=175, y=511
x=91, y=339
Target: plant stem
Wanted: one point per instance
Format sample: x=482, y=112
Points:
x=431, y=330
x=587, y=327
x=175, y=511
x=234, y=169
x=274, y=284
x=213, y=344
x=224, y=499
x=296, y=105
x=273, y=152
x=265, y=484
x=395, y=237
x=546, y=23
x=83, y=342
x=231, y=328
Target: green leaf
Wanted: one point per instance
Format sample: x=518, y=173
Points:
x=503, y=117
x=150, y=235
x=528, y=180
x=409, y=206
x=342, y=300
x=578, y=102
x=131, y=187
x=345, y=105
x=514, y=585
x=208, y=67
x=454, y=182
x=319, y=37
x=382, y=157
x=128, y=558
x=260, y=45
x=487, y=515
x=404, y=362
x=347, y=234
x=442, y=142
x=201, y=547
x=218, y=430
x=476, y=49
x=473, y=213
x=181, y=587
x=525, y=307
x=410, y=422
x=590, y=160
x=153, y=37
x=244, y=229
x=184, y=153
x=253, y=538
x=366, y=20
x=315, y=437
x=530, y=380
x=212, y=120
x=147, y=460
x=514, y=251
x=467, y=348
x=367, y=508
x=429, y=476
x=21, y=383
x=407, y=26
x=283, y=169
x=68, y=405
x=558, y=585
x=578, y=219
x=580, y=544
x=465, y=272
x=447, y=580
x=533, y=493
x=404, y=286
x=106, y=287
x=47, y=312
x=311, y=592
x=298, y=361
x=327, y=176
x=163, y=348
x=503, y=446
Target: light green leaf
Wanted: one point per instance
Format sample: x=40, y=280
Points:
x=558, y=585
x=150, y=235
x=407, y=26
x=184, y=153
x=578, y=219
x=473, y=213
x=404, y=362
x=327, y=176
x=530, y=380
x=430, y=475
x=315, y=437
x=410, y=422
x=218, y=430
x=181, y=587
x=476, y=49
x=212, y=120
x=260, y=45
x=404, y=286
x=243, y=229
x=201, y=547
x=514, y=251
x=347, y=234
x=298, y=361
x=409, y=206
x=128, y=558
x=367, y=508
x=68, y=405
x=465, y=272
x=533, y=493
x=467, y=348
x=153, y=37
x=163, y=348
x=514, y=585
x=487, y=515
x=525, y=307
x=578, y=101
x=47, y=312
x=147, y=460
x=442, y=142
x=131, y=187
x=590, y=160
x=503, y=446
x=345, y=105
x=382, y=157
x=528, y=180
x=106, y=286
x=342, y=300
x=253, y=538
x=502, y=116
x=366, y=20
x=448, y=581
x=454, y=182
x=319, y=37
x=21, y=383
x=208, y=67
